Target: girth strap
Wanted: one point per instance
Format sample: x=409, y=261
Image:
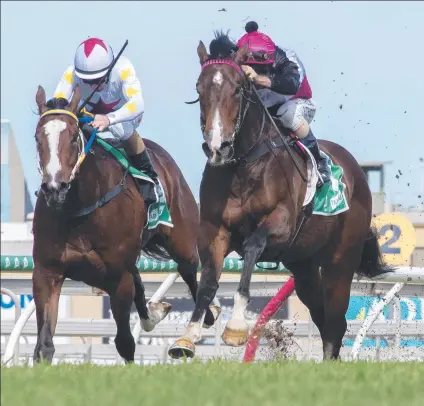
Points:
x=104, y=199
x=101, y=202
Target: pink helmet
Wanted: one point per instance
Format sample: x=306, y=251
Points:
x=92, y=59
x=261, y=47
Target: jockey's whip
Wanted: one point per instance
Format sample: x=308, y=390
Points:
x=103, y=78
x=281, y=136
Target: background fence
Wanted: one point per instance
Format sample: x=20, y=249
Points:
x=393, y=336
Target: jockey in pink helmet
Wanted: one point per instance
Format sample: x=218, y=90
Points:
x=283, y=84
x=117, y=105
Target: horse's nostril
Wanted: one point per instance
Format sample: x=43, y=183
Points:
x=206, y=150
x=63, y=185
x=44, y=187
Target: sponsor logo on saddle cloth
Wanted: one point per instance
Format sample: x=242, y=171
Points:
x=330, y=199
x=157, y=209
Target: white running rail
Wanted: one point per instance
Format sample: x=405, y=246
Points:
x=402, y=277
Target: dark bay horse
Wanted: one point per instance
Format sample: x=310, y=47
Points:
x=251, y=199
x=101, y=247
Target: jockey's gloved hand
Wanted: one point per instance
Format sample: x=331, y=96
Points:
x=101, y=122
x=249, y=72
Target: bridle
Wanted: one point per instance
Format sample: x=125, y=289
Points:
x=84, y=149
x=245, y=102
x=241, y=116
x=82, y=145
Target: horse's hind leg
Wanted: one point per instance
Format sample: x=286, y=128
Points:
x=121, y=299
x=337, y=280
x=308, y=284
x=150, y=314
x=47, y=284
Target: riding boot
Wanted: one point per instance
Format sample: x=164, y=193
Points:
x=143, y=163
x=311, y=143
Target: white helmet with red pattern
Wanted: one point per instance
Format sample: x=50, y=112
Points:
x=92, y=59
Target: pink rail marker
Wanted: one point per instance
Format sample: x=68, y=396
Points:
x=270, y=309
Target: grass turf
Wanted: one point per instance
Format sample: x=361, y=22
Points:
x=216, y=383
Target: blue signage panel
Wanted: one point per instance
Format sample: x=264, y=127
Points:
x=412, y=308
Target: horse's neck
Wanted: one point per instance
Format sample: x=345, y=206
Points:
x=250, y=130
x=257, y=129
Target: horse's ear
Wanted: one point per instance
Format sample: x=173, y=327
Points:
x=242, y=54
x=73, y=105
x=40, y=99
x=202, y=52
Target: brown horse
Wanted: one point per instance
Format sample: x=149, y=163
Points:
x=91, y=229
x=251, y=199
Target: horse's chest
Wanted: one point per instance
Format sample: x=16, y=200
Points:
x=243, y=218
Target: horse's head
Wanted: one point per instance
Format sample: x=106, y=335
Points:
x=59, y=143
x=221, y=87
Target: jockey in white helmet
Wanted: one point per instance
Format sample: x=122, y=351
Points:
x=117, y=105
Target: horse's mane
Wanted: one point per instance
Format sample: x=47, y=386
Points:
x=57, y=103
x=222, y=46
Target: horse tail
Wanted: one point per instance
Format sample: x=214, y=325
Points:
x=155, y=249
x=372, y=263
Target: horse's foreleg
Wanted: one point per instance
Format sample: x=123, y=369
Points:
x=188, y=272
x=150, y=314
x=213, y=247
x=47, y=284
x=236, y=331
x=121, y=299
x=186, y=256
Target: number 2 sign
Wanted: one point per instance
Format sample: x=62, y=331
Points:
x=397, y=238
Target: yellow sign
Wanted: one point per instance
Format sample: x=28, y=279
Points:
x=397, y=238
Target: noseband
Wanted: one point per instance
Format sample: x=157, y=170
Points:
x=245, y=96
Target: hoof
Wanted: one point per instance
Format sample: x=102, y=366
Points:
x=160, y=308
x=216, y=311
x=236, y=337
x=183, y=347
x=157, y=312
